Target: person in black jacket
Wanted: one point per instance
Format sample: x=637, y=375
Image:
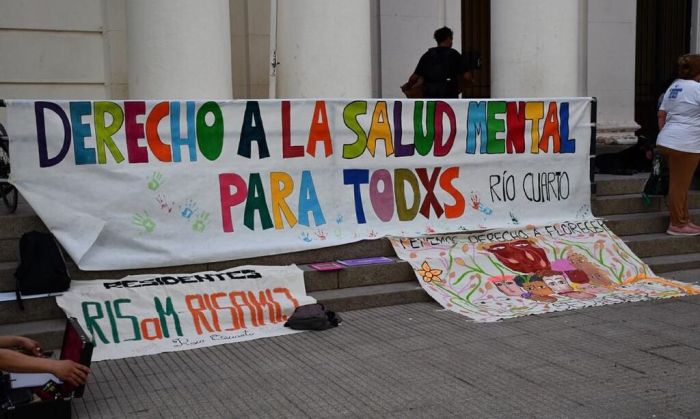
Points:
x=441, y=68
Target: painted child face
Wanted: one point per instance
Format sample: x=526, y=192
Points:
x=507, y=286
x=557, y=283
x=537, y=287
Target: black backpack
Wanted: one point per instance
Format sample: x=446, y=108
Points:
x=658, y=181
x=42, y=268
x=313, y=317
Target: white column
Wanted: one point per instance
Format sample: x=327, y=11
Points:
x=611, y=67
x=695, y=27
x=179, y=49
x=535, y=48
x=324, y=49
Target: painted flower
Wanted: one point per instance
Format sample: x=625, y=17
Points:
x=428, y=274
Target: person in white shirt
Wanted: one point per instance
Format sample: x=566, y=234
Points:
x=679, y=141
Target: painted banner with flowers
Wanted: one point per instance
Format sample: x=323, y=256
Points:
x=500, y=274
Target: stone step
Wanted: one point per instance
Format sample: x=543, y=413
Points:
x=358, y=276
x=691, y=276
x=619, y=184
x=672, y=263
x=49, y=333
x=633, y=203
x=12, y=226
x=7, y=276
x=35, y=309
x=643, y=223
x=9, y=249
x=351, y=276
x=661, y=244
x=358, y=298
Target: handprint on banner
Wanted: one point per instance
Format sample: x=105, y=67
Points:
x=164, y=204
x=201, y=222
x=155, y=181
x=584, y=212
x=478, y=205
x=338, y=231
x=144, y=221
x=320, y=234
x=306, y=237
x=514, y=218
x=475, y=201
x=188, y=209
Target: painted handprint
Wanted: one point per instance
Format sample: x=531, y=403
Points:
x=144, y=221
x=477, y=205
x=155, y=181
x=513, y=218
x=188, y=209
x=320, y=234
x=305, y=237
x=339, y=219
x=164, y=204
x=584, y=212
x=475, y=200
x=201, y=222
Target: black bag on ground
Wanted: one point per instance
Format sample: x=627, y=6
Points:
x=312, y=317
x=657, y=184
x=42, y=268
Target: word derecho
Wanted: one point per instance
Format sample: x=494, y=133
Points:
x=128, y=131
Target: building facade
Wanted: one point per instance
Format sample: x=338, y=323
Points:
x=618, y=51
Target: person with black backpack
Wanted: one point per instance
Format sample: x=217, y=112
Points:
x=441, y=69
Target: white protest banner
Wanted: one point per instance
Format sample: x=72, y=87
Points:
x=149, y=314
x=134, y=184
x=499, y=274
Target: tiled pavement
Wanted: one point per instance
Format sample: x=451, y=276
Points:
x=628, y=360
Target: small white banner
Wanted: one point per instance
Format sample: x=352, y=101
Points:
x=149, y=314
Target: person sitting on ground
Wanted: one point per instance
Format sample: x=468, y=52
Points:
x=29, y=358
x=679, y=141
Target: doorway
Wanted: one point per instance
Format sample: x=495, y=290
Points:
x=663, y=34
x=476, y=36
